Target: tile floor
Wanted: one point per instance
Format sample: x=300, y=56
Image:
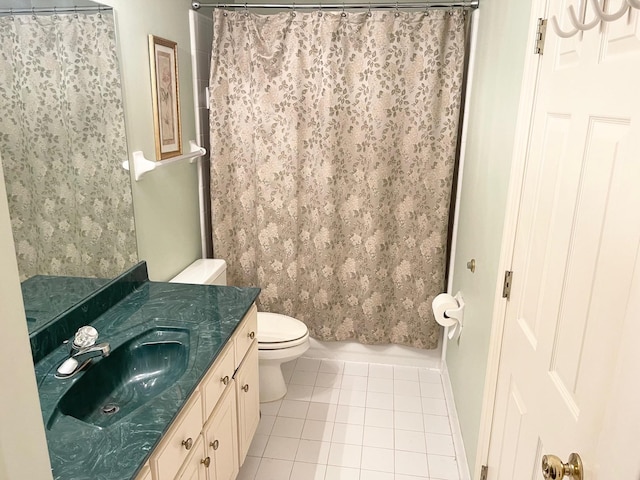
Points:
x=354, y=421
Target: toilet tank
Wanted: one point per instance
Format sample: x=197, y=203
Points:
x=206, y=271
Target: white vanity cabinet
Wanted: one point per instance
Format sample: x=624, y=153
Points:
x=145, y=473
x=215, y=454
x=248, y=401
x=210, y=437
x=196, y=465
x=221, y=439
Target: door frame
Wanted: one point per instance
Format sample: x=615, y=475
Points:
x=524, y=125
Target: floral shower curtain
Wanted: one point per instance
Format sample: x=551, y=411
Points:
x=62, y=143
x=333, y=145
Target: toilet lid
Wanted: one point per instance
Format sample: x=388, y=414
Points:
x=275, y=328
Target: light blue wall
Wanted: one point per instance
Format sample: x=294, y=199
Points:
x=497, y=76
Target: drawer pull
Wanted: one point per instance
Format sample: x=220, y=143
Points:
x=252, y=335
x=215, y=444
x=188, y=443
x=246, y=387
x=206, y=461
x=225, y=379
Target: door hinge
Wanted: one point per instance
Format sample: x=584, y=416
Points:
x=506, y=286
x=541, y=33
x=484, y=472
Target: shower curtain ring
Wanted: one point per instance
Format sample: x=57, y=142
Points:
x=320, y=9
x=369, y=12
x=246, y=10
x=33, y=13
x=75, y=12
x=344, y=14
x=397, y=11
x=293, y=12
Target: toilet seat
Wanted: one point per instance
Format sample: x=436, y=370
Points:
x=278, y=332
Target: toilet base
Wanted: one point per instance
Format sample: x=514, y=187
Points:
x=272, y=385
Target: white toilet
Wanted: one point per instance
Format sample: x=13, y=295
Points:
x=280, y=338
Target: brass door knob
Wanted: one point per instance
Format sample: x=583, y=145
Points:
x=554, y=469
x=215, y=444
x=252, y=335
x=206, y=462
x=245, y=387
x=188, y=443
x=225, y=379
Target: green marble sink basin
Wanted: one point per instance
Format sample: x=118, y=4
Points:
x=133, y=374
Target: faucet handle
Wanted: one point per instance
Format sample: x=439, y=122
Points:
x=85, y=337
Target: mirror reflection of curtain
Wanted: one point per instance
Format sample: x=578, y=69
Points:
x=333, y=144
x=62, y=142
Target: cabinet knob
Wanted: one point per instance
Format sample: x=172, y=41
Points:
x=245, y=387
x=188, y=443
x=206, y=462
x=215, y=444
x=225, y=379
x=252, y=335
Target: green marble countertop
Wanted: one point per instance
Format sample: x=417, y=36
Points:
x=80, y=450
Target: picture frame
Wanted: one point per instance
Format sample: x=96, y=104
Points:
x=163, y=55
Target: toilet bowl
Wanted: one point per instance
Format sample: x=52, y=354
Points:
x=280, y=338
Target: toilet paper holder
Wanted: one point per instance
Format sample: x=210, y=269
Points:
x=456, y=313
x=448, y=311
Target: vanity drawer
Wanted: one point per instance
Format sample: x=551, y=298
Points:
x=217, y=379
x=145, y=473
x=172, y=451
x=246, y=333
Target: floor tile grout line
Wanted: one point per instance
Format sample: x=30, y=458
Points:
x=350, y=403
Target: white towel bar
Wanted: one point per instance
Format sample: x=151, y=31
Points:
x=141, y=165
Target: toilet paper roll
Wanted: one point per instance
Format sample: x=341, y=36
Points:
x=449, y=312
x=442, y=303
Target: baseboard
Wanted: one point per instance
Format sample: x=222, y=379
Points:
x=384, y=354
x=458, y=443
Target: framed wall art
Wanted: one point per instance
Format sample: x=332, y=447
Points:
x=166, y=101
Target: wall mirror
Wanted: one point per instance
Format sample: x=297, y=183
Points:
x=62, y=144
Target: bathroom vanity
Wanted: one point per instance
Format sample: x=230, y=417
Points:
x=210, y=438
x=178, y=395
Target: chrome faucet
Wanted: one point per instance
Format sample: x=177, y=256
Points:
x=83, y=350
x=87, y=353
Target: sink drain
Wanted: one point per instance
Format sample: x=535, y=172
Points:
x=110, y=409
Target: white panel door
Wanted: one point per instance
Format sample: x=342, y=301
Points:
x=564, y=368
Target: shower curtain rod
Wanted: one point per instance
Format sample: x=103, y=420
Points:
x=52, y=10
x=472, y=4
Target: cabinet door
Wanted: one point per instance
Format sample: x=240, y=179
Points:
x=248, y=397
x=196, y=465
x=221, y=438
x=179, y=442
